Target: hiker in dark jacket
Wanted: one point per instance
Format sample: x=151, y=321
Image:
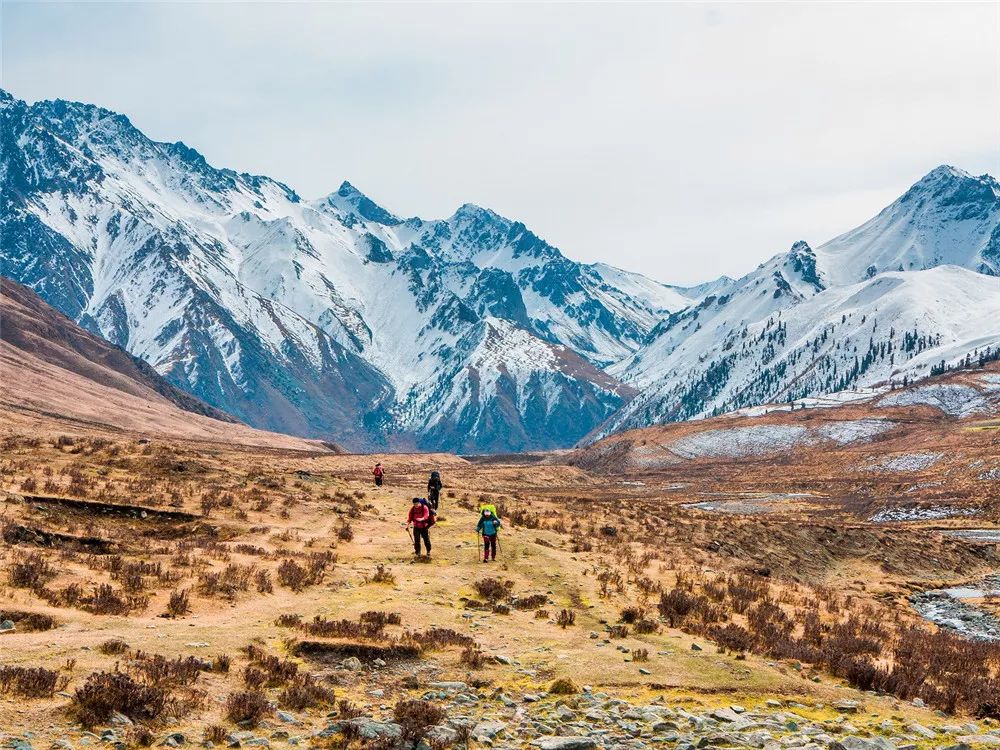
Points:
x=420, y=519
x=434, y=486
x=489, y=527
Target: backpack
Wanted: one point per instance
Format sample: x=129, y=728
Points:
x=431, y=513
x=492, y=508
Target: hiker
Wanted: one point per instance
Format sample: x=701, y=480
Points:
x=434, y=489
x=378, y=472
x=489, y=525
x=420, y=519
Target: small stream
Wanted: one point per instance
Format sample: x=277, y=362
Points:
x=949, y=608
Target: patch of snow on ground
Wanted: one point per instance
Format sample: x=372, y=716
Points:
x=739, y=442
x=908, y=462
x=975, y=535
x=936, y=513
x=990, y=475
x=990, y=381
x=854, y=430
x=953, y=399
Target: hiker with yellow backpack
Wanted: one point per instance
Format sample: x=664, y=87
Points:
x=489, y=528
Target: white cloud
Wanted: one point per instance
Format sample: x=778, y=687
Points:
x=682, y=140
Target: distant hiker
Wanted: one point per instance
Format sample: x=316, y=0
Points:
x=489, y=527
x=378, y=472
x=420, y=519
x=434, y=486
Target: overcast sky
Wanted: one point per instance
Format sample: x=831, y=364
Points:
x=681, y=140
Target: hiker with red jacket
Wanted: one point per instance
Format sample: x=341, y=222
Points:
x=420, y=519
x=378, y=473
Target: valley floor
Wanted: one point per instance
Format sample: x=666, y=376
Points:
x=281, y=553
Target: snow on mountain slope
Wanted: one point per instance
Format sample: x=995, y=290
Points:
x=896, y=326
x=947, y=218
x=732, y=349
x=326, y=318
x=338, y=318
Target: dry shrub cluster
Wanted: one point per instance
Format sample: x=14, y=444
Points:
x=298, y=577
x=248, y=707
x=113, y=647
x=31, y=682
x=28, y=622
x=865, y=647
x=415, y=717
x=228, y=582
x=30, y=570
x=300, y=690
x=381, y=575
x=473, y=657
x=105, y=693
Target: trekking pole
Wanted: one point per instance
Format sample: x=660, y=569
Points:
x=479, y=545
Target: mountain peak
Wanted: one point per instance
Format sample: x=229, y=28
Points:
x=349, y=199
x=950, y=186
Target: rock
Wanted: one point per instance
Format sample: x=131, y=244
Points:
x=957, y=746
x=449, y=686
x=530, y=698
x=643, y=670
x=919, y=703
x=441, y=736
x=565, y=743
x=725, y=714
x=921, y=730
x=860, y=743
x=738, y=709
x=7, y=626
x=174, y=739
x=488, y=730
x=847, y=707
x=977, y=740
x=287, y=718
x=352, y=663
x=503, y=659
x=696, y=647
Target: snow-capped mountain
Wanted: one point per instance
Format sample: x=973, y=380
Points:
x=337, y=318
x=331, y=317
x=915, y=285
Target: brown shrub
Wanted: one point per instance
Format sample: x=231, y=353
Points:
x=534, y=601
x=415, y=717
x=113, y=647
x=494, y=589
x=179, y=603
x=565, y=618
x=104, y=693
x=249, y=706
x=473, y=657
x=29, y=571
x=631, y=615
x=31, y=682
x=563, y=686
x=303, y=691
x=381, y=575
x=216, y=734
x=644, y=627
x=28, y=622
